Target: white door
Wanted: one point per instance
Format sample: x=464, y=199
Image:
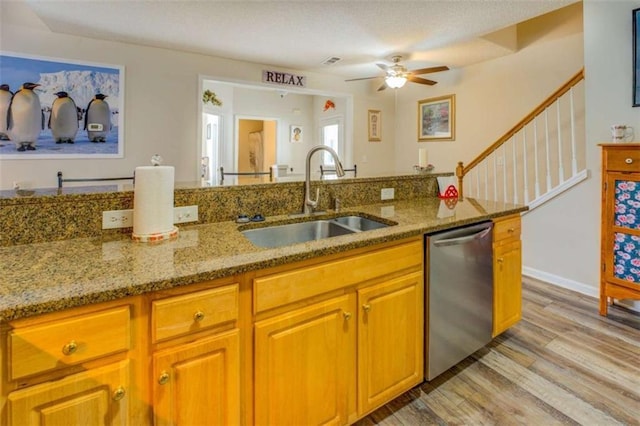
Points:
x=211, y=137
x=332, y=135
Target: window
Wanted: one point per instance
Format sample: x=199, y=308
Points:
x=332, y=130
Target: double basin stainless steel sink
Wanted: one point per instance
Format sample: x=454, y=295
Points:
x=293, y=233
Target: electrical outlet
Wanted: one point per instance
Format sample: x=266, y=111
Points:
x=117, y=219
x=387, y=211
x=387, y=194
x=124, y=218
x=185, y=214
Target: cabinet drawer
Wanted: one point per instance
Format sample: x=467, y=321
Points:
x=193, y=312
x=622, y=160
x=58, y=344
x=280, y=289
x=506, y=229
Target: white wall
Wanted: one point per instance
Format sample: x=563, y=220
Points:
x=161, y=101
x=561, y=239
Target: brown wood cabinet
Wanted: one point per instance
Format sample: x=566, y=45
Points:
x=339, y=338
x=73, y=367
x=390, y=340
x=304, y=364
x=507, y=273
x=95, y=397
x=196, y=379
x=620, y=223
x=323, y=341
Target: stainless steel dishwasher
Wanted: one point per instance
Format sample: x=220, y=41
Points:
x=459, y=295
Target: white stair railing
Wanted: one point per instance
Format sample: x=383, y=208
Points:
x=535, y=150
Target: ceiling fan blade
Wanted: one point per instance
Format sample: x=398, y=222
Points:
x=429, y=70
x=363, y=78
x=383, y=67
x=421, y=80
x=383, y=87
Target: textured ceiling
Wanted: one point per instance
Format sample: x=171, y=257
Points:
x=302, y=34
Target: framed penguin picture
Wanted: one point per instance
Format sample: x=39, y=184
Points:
x=58, y=108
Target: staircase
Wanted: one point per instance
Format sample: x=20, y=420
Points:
x=538, y=158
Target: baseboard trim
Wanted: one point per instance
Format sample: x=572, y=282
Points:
x=561, y=281
x=574, y=285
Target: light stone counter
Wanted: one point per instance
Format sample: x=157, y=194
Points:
x=46, y=277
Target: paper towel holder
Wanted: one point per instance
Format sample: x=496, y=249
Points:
x=156, y=189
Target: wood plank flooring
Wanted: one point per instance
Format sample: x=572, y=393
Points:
x=561, y=364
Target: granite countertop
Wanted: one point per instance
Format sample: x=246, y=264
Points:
x=47, y=277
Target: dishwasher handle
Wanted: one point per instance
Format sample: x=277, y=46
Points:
x=462, y=240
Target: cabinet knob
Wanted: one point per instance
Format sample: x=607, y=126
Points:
x=500, y=260
x=511, y=230
x=198, y=316
x=347, y=316
x=164, y=378
x=118, y=394
x=366, y=307
x=628, y=160
x=70, y=348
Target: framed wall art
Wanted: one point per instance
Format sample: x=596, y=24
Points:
x=295, y=134
x=636, y=57
x=436, y=119
x=375, y=125
x=60, y=108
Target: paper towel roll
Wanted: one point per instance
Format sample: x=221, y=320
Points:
x=153, y=201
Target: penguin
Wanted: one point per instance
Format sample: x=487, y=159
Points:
x=97, y=119
x=5, y=100
x=63, y=120
x=25, y=119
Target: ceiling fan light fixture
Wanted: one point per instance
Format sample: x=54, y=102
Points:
x=395, y=81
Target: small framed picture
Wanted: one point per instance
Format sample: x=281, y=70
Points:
x=375, y=125
x=296, y=134
x=437, y=119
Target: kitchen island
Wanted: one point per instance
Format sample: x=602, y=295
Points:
x=141, y=326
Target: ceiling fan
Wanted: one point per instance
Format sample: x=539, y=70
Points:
x=397, y=74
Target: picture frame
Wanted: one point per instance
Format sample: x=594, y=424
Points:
x=295, y=134
x=636, y=57
x=374, y=120
x=437, y=119
x=85, y=83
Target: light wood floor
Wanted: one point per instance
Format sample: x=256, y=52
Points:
x=562, y=364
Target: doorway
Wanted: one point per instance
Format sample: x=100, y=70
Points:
x=256, y=141
x=211, y=154
x=332, y=135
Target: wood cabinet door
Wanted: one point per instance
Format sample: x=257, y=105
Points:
x=507, y=282
x=390, y=340
x=305, y=364
x=95, y=397
x=198, y=383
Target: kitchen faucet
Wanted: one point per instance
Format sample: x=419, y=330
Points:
x=309, y=204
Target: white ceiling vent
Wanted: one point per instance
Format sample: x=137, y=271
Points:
x=331, y=60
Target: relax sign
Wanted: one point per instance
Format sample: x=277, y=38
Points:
x=283, y=78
